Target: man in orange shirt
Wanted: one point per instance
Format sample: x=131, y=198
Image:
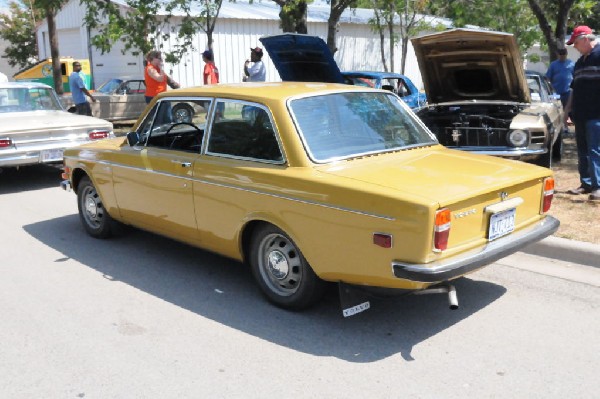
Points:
x=155, y=77
x=211, y=73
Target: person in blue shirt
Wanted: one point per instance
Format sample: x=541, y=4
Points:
x=560, y=74
x=79, y=91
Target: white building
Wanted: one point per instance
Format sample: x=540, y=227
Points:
x=238, y=29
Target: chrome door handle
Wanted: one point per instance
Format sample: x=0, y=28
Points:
x=182, y=163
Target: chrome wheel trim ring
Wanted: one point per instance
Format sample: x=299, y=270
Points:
x=92, y=209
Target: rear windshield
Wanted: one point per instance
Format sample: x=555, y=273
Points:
x=23, y=99
x=345, y=125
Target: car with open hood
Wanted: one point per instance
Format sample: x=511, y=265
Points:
x=306, y=58
x=310, y=183
x=34, y=128
x=120, y=98
x=479, y=99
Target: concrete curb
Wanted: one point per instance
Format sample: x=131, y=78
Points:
x=584, y=253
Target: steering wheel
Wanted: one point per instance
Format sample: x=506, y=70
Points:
x=167, y=133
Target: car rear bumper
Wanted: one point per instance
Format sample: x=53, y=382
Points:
x=456, y=266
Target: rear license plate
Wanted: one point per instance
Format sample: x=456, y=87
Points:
x=51, y=155
x=501, y=223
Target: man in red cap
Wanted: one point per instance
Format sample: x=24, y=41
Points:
x=257, y=72
x=584, y=106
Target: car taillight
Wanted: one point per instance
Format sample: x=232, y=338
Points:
x=5, y=143
x=66, y=174
x=98, y=134
x=548, y=194
x=441, y=230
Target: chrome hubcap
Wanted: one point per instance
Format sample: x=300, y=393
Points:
x=278, y=265
x=91, y=207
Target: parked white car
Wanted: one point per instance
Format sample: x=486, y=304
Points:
x=34, y=127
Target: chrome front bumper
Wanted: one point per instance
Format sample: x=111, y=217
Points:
x=456, y=266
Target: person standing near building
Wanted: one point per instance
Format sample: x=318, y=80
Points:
x=584, y=106
x=155, y=77
x=257, y=72
x=79, y=91
x=211, y=73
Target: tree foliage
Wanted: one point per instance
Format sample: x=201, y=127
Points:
x=19, y=31
x=144, y=25
x=293, y=15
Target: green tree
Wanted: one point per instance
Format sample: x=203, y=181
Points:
x=337, y=8
x=19, y=31
x=553, y=17
x=293, y=15
x=50, y=8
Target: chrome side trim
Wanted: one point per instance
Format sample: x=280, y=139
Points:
x=194, y=180
x=461, y=264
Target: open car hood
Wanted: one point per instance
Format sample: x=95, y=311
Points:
x=302, y=58
x=463, y=64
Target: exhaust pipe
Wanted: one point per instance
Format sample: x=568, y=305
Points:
x=443, y=289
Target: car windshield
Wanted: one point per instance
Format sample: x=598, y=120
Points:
x=110, y=86
x=24, y=99
x=344, y=125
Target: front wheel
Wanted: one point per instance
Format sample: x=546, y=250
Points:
x=94, y=217
x=281, y=271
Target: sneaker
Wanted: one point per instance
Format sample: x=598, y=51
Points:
x=579, y=190
x=595, y=195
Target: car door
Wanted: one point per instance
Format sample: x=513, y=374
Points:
x=153, y=187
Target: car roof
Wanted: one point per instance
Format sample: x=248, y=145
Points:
x=262, y=90
x=22, y=84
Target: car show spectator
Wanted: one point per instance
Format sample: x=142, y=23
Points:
x=584, y=105
x=155, y=77
x=560, y=73
x=79, y=91
x=211, y=72
x=257, y=71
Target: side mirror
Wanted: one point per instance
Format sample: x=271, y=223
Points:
x=133, y=138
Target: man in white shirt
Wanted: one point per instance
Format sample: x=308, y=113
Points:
x=256, y=72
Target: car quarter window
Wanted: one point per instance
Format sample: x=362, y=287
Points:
x=244, y=130
x=135, y=87
x=176, y=124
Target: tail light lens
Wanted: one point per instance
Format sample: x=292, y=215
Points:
x=5, y=143
x=66, y=174
x=548, y=194
x=98, y=134
x=441, y=230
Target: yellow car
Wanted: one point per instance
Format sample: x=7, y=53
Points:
x=310, y=183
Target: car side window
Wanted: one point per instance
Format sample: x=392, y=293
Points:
x=176, y=124
x=136, y=87
x=243, y=130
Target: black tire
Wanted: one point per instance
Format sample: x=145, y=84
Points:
x=546, y=159
x=182, y=113
x=94, y=217
x=281, y=271
x=558, y=148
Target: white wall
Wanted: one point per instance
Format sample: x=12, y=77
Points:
x=234, y=35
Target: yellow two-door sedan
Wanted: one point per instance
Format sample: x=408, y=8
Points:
x=308, y=183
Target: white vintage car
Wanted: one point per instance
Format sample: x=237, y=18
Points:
x=34, y=128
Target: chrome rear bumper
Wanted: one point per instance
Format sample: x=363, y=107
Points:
x=456, y=266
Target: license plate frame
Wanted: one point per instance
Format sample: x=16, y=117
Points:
x=501, y=224
x=51, y=155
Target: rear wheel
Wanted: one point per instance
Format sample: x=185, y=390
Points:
x=94, y=217
x=182, y=113
x=281, y=271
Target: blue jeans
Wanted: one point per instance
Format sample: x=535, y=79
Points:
x=587, y=135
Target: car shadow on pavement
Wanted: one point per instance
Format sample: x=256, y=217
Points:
x=223, y=290
x=29, y=178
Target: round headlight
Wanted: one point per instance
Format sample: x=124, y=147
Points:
x=518, y=138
